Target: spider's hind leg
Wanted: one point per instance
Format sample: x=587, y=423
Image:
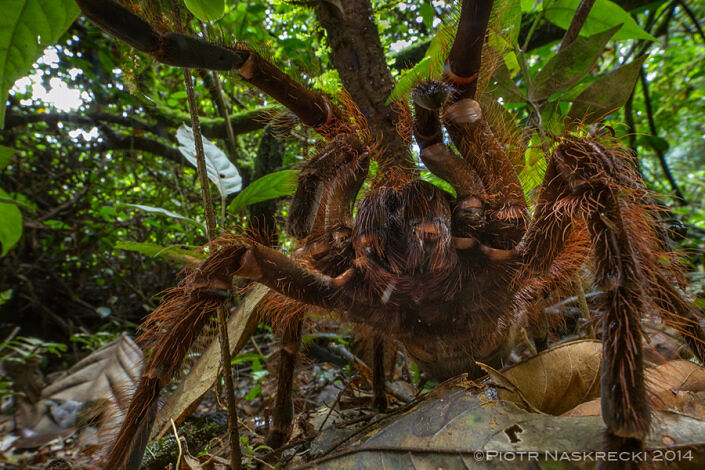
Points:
x=597, y=183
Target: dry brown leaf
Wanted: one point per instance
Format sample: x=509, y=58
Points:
x=674, y=376
x=452, y=428
x=205, y=372
x=674, y=386
x=100, y=383
x=558, y=379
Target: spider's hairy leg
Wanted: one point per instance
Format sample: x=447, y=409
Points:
x=181, y=50
x=174, y=326
x=283, y=415
x=591, y=182
x=328, y=185
x=441, y=160
x=465, y=56
x=170, y=330
x=471, y=133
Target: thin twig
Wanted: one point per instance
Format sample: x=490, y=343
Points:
x=178, y=444
x=680, y=199
x=581, y=14
x=693, y=18
x=235, y=453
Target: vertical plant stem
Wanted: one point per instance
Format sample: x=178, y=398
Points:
x=693, y=18
x=200, y=157
x=235, y=454
x=581, y=14
x=654, y=132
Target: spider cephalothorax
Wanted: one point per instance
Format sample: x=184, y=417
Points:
x=450, y=276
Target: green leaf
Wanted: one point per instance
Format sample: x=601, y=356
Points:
x=427, y=13
x=606, y=94
x=436, y=181
x=271, y=186
x=568, y=66
x=506, y=88
x=6, y=154
x=603, y=15
x=206, y=10
x=10, y=224
x=527, y=5
x=220, y=169
x=431, y=66
x=171, y=253
x=26, y=28
x=254, y=392
x=159, y=210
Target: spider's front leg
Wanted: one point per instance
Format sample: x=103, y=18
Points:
x=178, y=321
x=181, y=50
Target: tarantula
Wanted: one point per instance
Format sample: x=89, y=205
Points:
x=448, y=276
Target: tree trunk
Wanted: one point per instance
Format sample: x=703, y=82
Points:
x=358, y=56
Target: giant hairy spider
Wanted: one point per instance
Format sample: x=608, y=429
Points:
x=448, y=276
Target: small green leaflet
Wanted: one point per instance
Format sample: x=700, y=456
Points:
x=159, y=210
x=206, y=10
x=431, y=66
x=271, y=186
x=603, y=15
x=6, y=154
x=10, y=224
x=171, y=253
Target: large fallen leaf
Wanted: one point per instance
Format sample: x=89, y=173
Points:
x=555, y=380
x=204, y=373
x=459, y=426
x=100, y=383
x=677, y=386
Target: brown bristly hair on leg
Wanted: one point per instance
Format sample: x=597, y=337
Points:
x=170, y=331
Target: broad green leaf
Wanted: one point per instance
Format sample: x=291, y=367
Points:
x=606, y=94
x=527, y=5
x=6, y=154
x=174, y=215
x=431, y=66
x=506, y=22
x=170, y=253
x=10, y=224
x=506, y=88
x=206, y=10
x=603, y=15
x=220, y=170
x=427, y=13
x=271, y=186
x=568, y=66
x=26, y=28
